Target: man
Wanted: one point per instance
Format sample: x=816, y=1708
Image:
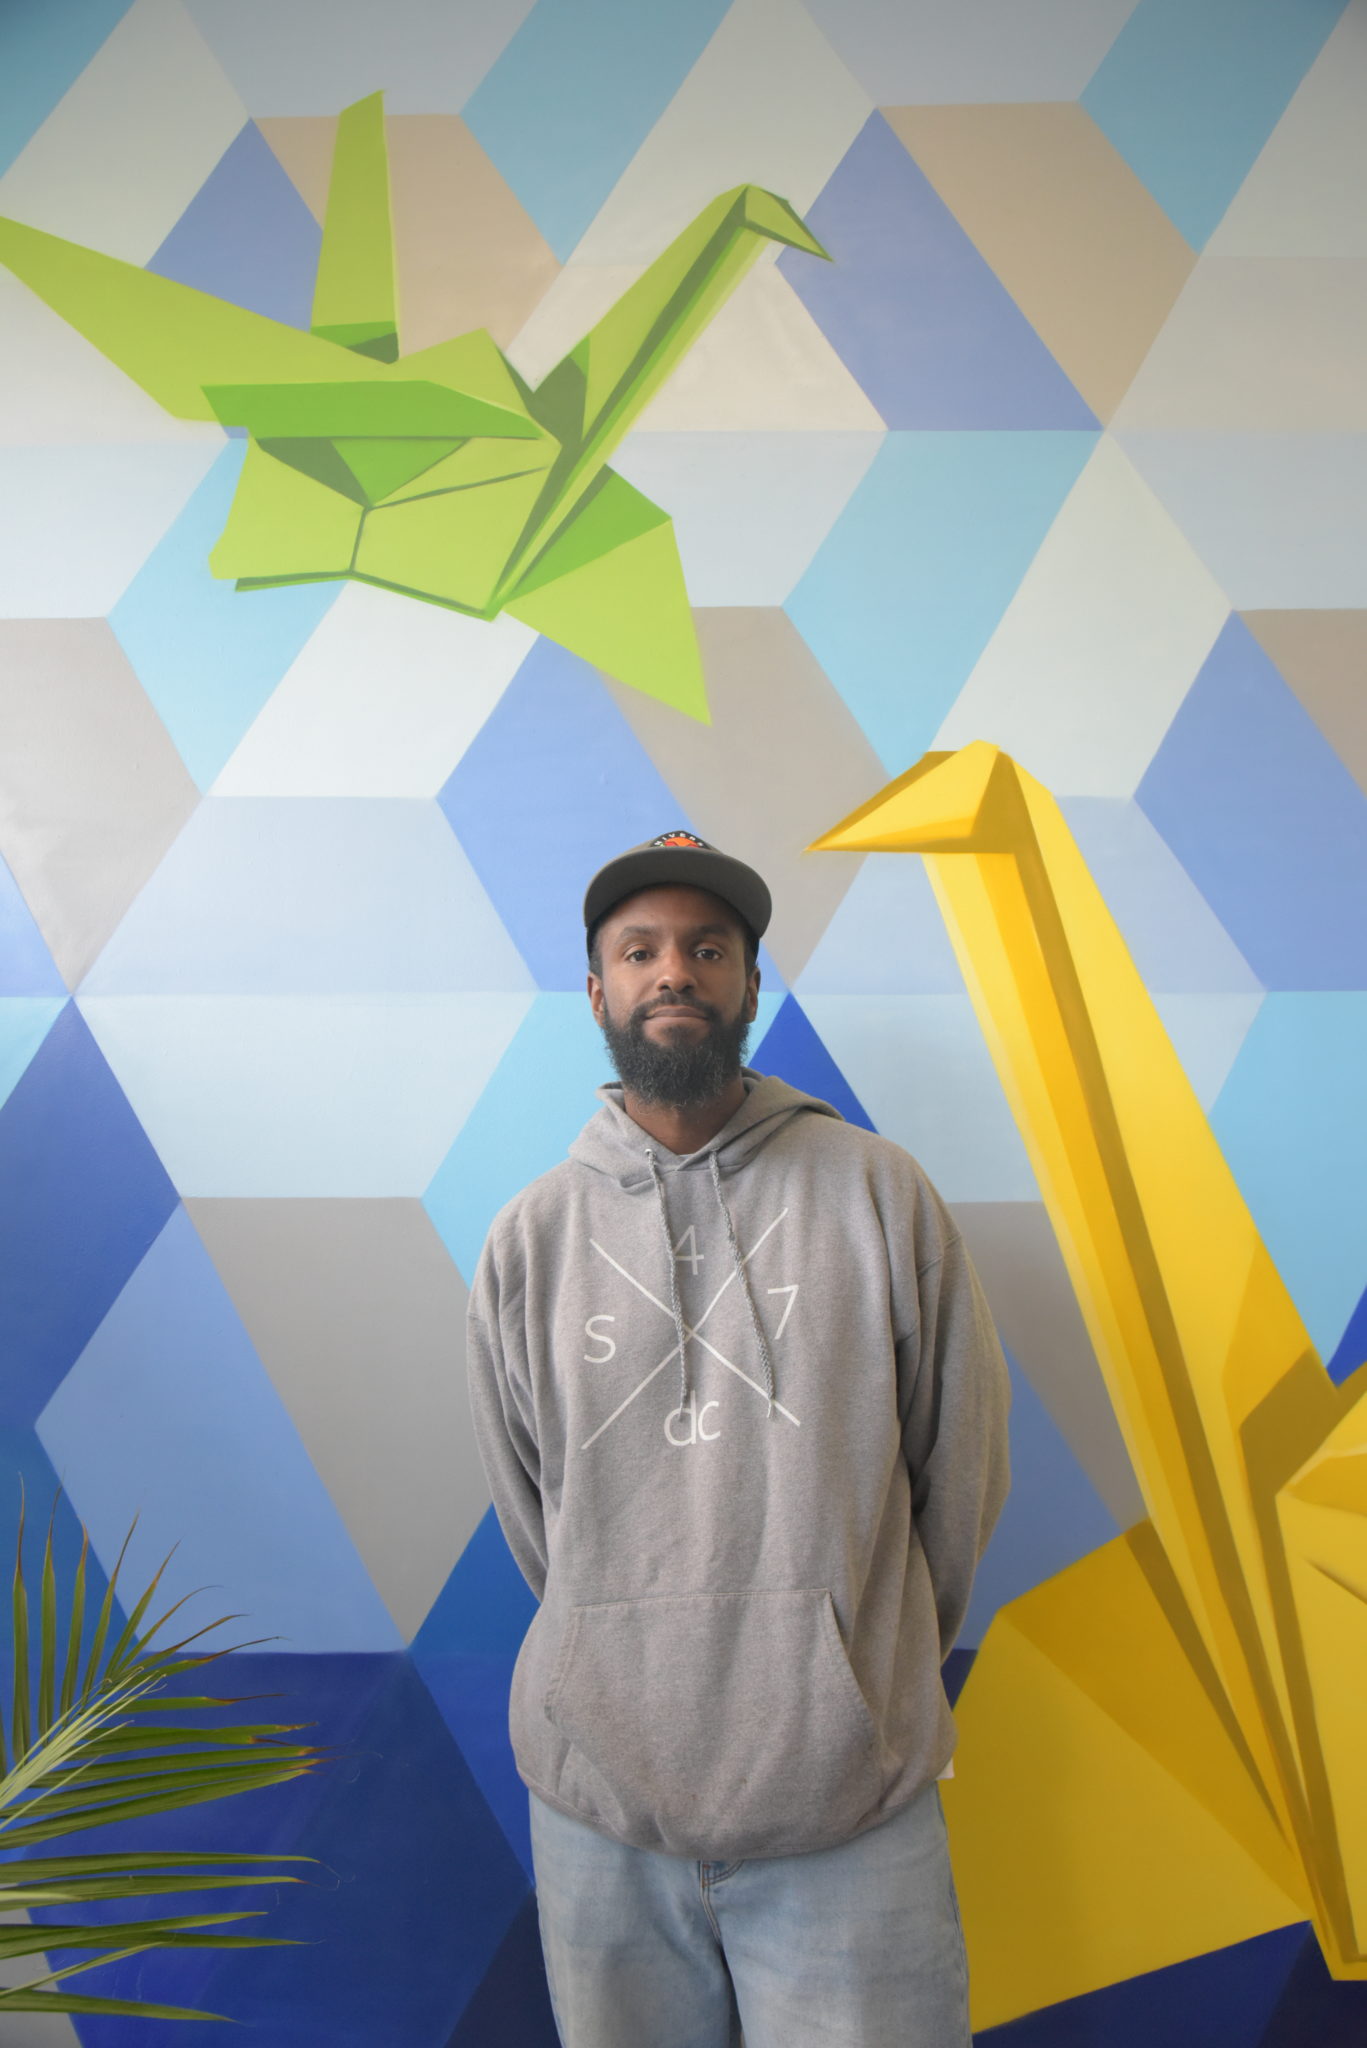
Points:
x=743, y=1413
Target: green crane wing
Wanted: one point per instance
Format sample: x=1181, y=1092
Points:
x=271, y=411
x=168, y=337
x=610, y=587
x=475, y=364
x=353, y=293
x=204, y=359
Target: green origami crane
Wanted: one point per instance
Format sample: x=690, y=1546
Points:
x=440, y=474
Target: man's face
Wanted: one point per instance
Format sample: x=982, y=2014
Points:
x=674, y=995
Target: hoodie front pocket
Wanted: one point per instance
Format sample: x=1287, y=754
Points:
x=720, y=1724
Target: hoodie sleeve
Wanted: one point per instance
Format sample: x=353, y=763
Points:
x=955, y=1395
x=504, y=1431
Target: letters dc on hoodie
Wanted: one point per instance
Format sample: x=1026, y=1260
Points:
x=752, y=1553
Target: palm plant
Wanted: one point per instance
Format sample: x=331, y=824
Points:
x=95, y=1737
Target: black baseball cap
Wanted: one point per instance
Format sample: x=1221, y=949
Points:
x=677, y=859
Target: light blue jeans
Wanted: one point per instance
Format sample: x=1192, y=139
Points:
x=859, y=1945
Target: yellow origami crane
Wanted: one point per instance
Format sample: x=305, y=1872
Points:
x=1164, y=1749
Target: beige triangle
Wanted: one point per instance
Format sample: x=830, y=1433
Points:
x=763, y=363
x=1323, y=657
x=92, y=792
x=1016, y=1256
x=466, y=252
x=303, y=145
x=1089, y=257
x=354, y=1282
x=775, y=713
x=577, y=301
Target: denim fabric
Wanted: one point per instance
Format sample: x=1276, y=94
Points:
x=858, y=1945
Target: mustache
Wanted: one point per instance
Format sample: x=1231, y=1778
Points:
x=704, y=1010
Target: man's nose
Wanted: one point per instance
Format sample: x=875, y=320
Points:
x=674, y=970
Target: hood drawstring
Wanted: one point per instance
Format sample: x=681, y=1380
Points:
x=676, y=1309
x=744, y=1279
x=674, y=1304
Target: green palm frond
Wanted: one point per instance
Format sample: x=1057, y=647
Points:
x=95, y=1736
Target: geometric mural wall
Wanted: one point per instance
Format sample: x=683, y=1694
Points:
x=1064, y=449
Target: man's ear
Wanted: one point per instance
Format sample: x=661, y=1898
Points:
x=595, y=994
x=752, y=995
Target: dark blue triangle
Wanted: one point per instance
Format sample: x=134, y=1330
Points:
x=1352, y=1345
x=1221, y=2000
x=465, y=1652
x=791, y=1049
x=83, y=1197
x=332, y=1698
x=958, y=1664
x=398, y=1929
x=1314, y=2011
x=512, y=2006
x=486, y=1606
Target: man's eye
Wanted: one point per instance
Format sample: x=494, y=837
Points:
x=637, y=953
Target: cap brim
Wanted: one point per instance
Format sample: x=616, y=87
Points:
x=653, y=867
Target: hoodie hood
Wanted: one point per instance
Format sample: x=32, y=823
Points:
x=614, y=1144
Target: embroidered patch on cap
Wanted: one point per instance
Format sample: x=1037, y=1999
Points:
x=681, y=839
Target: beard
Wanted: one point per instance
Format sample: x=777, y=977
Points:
x=677, y=1072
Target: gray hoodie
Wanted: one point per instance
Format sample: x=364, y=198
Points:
x=744, y=1420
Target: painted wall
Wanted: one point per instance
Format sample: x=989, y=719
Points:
x=1063, y=450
